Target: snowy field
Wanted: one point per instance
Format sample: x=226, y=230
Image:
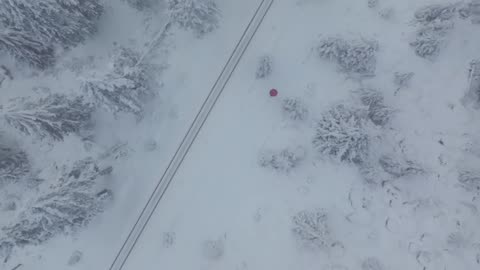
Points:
x=367, y=159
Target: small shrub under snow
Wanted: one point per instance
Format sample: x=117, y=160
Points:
x=284, y=160
x=294, y=109
x=264, y=68
x=435, y=23
x=311, y=230
x=372, y=263
x=373, y=99
x=214, y=249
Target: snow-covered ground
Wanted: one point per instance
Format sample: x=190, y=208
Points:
x=367, y=159
x=224, y=211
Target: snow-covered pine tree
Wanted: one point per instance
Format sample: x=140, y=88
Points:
x=36, y=27
x=200, y=16
x=26, y=48
x=53, y=116
x=124, y=89
x=70, y=204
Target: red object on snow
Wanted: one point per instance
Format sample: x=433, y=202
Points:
x=273, y=93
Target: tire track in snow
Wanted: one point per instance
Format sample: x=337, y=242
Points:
x=191, y=135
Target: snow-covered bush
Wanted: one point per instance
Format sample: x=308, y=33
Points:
x=31, y=29
x=372, y=173
x=373, y=99
x=354, y=56
x=294, y=109
x=435, y=22
x=430, y=38
x=54, y=116
x=14, y=163
x=372, y=263
x=310, y=228
x=264, y=68
x=69, y=204
x=435, y=13
x=200, y=16
x=284, y=160
x=341, y=134
x=470, y=180
x=126, y=88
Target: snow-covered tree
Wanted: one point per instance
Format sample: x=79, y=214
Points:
x=353, y=56
x=31, y=29
x=310, y=228
x=14, y=163
x=341, y=133
x=200, y=16
x=53, y=116
x=69, y=204
x=126, y=88
x=284, y=160
x=264, y=68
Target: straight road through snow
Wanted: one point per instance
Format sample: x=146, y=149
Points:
x=190, y=136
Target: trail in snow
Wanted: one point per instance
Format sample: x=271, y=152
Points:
x=190, y=136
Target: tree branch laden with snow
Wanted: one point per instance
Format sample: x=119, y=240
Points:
x=54, y=116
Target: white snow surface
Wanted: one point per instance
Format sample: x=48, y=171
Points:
x=224, y=210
